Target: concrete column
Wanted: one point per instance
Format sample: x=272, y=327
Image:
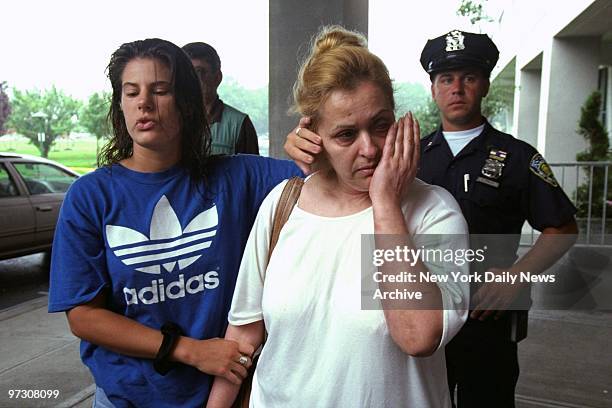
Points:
x=292, y=24
x=527, y=105
x=569, y=76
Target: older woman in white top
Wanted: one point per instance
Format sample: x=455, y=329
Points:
x=322, y=349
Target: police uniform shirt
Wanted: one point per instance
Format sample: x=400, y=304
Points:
x=498, y=181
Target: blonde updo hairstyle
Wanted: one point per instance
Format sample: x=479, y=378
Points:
x=338, y=59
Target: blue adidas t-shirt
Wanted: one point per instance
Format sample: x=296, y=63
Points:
x=166, y=249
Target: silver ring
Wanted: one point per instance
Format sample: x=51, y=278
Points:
x=297, y=131
x=243, y=360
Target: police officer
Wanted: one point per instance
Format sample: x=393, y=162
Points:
x=499, y=182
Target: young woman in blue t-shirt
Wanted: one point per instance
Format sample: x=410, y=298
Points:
x=147, y=247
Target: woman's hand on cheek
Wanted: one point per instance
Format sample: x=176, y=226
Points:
x=398, y=164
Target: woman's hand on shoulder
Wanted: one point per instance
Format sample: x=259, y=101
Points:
x=399, y=163
x=216, y=357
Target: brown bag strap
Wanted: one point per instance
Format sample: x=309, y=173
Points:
x=287, y=201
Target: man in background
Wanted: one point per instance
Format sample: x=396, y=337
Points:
x=231, y=130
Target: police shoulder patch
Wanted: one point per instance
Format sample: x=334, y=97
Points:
x=540, y=168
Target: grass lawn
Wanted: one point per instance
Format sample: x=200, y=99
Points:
x=79, y=154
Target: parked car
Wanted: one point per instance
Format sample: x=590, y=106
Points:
x=31, y=192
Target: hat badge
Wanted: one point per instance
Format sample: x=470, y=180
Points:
x=454, y=41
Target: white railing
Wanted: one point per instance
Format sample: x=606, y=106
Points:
x=593, y=225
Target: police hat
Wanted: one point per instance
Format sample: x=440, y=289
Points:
x=459, y=49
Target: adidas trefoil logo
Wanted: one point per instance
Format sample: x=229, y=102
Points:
x=167, y=244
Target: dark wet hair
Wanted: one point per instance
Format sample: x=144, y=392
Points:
x=195, y=134
x=200, y=50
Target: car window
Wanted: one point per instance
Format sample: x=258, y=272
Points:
x=42, y=178
x=7, y=186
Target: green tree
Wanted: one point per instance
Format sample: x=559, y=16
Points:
x=94, y=116
x=253, y=102
x=417, y=99
x=409, y=97
x=499, y=99
x=428, y=116
x=593, y=131
x=5, y=107
x=474, y=10
x=49, y=114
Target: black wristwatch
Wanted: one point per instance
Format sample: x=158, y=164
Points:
x=162, y=363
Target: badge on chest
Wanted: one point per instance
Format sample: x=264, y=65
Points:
x=493, y=167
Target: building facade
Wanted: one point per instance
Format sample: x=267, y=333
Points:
x=556, y=54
